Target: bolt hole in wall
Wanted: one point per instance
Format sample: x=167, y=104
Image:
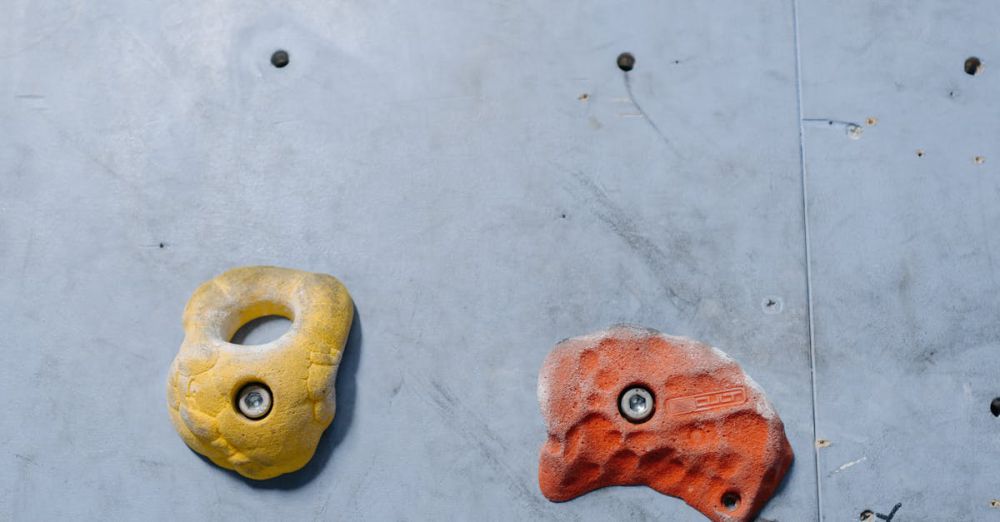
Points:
x=262, y=330
x=973, y=66
x=995, y=407
x=626, y=61
x=867, y=515
x=280, y=58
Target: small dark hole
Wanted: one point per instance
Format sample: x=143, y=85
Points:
x=626, y=61
x=995, y=407
x=973, y=65
x=731, y=501
x=866, y=515
x=162, y=245
x=279, y=59
x=563, y=216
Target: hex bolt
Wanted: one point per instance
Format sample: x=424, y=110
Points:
x=636, y=404
x=254, y=401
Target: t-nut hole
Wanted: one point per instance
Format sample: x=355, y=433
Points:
x=636, y=404
x=625, y=61
x=254, y=401
x=731, y=500
x=973, y=66
x=280, y=58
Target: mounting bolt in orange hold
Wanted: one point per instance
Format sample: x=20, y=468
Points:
x=632, y=406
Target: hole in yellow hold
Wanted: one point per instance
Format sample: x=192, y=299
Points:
x=262, y=330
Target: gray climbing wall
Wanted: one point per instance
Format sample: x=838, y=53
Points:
x=486, y=182
x=904, y=229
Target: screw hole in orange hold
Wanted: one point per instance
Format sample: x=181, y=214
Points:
x=731, y=500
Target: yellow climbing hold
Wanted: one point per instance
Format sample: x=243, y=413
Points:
x=259, y=409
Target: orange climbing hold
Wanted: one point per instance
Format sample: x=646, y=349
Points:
x=632, y=406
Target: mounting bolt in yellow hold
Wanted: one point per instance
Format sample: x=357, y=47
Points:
x=259, y=409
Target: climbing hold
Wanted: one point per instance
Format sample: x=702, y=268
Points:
x=632, y=406
x=259, y=409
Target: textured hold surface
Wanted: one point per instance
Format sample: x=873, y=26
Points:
x=713, y=439
x=299, y=368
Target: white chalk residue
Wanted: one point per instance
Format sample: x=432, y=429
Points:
x=762, y=405
x=722, y=355
x=849, y=464
x=543, y=389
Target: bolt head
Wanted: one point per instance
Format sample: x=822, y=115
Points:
x=636, y=404
x=254, y=401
